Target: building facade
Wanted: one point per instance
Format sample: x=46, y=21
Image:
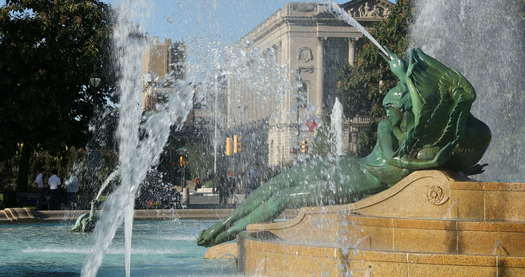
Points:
x=314, y=45
x=159, y=60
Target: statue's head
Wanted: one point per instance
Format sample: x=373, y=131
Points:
x=398, y=97
x=394, y=105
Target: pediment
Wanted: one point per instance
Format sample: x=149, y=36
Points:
x=368, y=8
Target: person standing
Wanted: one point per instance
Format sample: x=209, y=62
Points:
x=39, y=183
x=198, y=184
x=72, y=190
x=54, y=189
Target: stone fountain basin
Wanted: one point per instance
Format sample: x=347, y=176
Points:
x=428, y=224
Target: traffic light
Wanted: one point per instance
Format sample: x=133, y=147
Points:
x=228, y=149
x=304, y=146
x=236, y=144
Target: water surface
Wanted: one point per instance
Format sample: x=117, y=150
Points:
x=160, y=248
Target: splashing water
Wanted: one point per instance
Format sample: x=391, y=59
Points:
x=343, y=15
x=106, y=183
x=336, y=119
x=247, y=72
x=484, y=40
x=141, y=138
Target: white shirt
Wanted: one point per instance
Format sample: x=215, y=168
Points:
x=54, y=182
x=39, y=180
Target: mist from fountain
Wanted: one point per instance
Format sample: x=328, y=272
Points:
x=141, y=136
x=484, y=39
x=106, y=183
x=241, y=87
x=234, y=71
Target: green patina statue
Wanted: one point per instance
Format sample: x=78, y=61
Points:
x=428, y=124
x=85, y=223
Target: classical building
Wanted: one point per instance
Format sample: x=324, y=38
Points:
x=163, y=57
x=159, y=60
x=313, y=44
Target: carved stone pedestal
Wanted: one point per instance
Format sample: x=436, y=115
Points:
x=429, y=224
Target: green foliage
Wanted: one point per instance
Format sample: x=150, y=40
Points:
x=362, y=86
x=366, y=140
x=321, y=145
x=50, y=50
x=200, y=160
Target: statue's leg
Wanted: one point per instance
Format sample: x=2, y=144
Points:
x=257, y=197
x=284, y=181
x=306, y=194
x=264, y=212
x=312, y=190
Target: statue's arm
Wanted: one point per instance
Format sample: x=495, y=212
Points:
x=384, y=138
x=438, y=160
x=403, y=74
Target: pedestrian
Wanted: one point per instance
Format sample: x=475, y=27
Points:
x=72, y=190
x=39, y=183
x=198, y=184
x=54, y=189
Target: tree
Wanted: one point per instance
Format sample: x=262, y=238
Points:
x=362, y=86
x=50, y=50
x=200, y=159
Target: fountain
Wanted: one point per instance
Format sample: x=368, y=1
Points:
x=143, y=135
x=336, y=119
x=404, y=219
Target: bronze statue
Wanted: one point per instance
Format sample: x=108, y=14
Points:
x=428, y=125
x=85, y=223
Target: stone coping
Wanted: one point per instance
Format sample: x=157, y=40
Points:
x=406, y=223
x=249, y=243
x=487, y=186
x=27, y=214
x=466, y=205
x=9, y=215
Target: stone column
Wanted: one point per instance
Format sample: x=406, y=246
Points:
x=351, y=50
x=353, y=144
x=320, y=76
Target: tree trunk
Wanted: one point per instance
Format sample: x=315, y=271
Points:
x=23, y=167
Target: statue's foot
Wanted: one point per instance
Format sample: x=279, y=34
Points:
x=207, y=236
x=228, y=235
x=79, y=223
x=224, y=237
x=204, y=239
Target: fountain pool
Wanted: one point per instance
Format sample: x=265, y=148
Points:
x=160, y=248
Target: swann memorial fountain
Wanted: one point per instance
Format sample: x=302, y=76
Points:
x=406, y=209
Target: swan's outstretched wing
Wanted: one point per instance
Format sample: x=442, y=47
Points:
x=447, y=97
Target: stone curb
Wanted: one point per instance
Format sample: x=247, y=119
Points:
x=29, y=215
x=12, y=215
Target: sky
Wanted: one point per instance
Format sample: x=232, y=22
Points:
x=225, y=21
x=212, y=20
